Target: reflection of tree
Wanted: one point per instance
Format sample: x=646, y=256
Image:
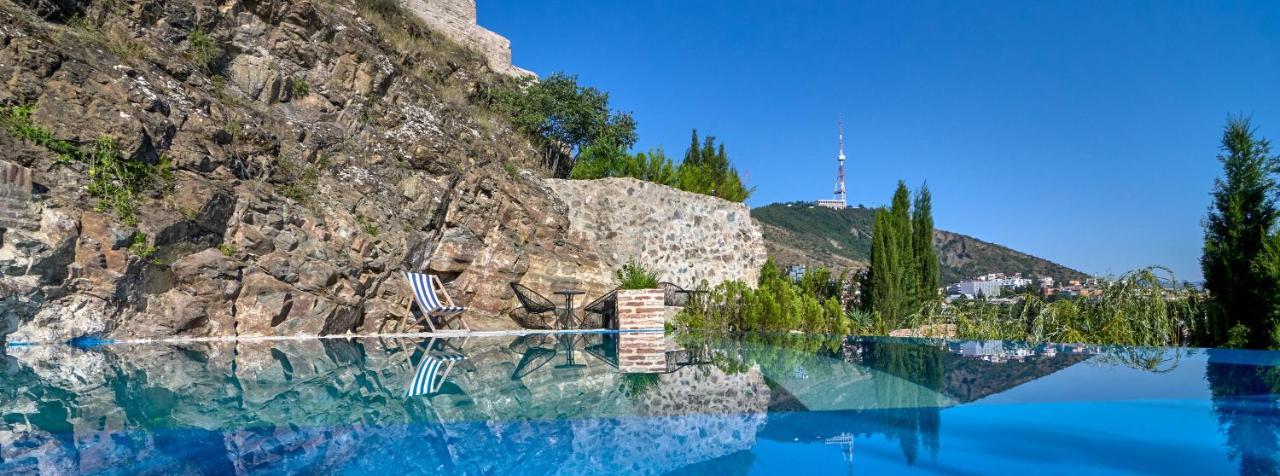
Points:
x=914, y=422
x=1245, y=399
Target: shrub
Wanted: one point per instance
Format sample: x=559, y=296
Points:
x=369, y=228
x=298, y=88
x=141, y=248
x=776, y=305
x=227, y=249
x=634, y=276
x=203, y=50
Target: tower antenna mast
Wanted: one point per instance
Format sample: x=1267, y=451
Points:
x=840, y=193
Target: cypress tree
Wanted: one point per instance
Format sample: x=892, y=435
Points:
x=884, y=293
x=1236, y=232
x=905, y=273
x=691, y=154
x=926, y=256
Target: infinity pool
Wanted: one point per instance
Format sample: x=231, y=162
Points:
x=636, y=404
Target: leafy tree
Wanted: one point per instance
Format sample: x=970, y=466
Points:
x=926, y=256
x=1240, y=274
x=561, y=114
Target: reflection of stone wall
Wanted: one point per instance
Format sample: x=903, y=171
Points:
x=685, y=237
x=15, y=196
x=693, y=415
x=456, y=19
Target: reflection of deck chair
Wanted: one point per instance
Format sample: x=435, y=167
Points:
x=427, y=294
x=433, y=369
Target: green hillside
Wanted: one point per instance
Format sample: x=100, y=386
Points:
x=800, y=233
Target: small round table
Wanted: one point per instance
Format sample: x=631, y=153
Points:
x=566, y=318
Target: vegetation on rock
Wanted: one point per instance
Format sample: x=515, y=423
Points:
x=115, y=181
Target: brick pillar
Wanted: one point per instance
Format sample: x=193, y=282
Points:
x=640, y=309
x=642, y=352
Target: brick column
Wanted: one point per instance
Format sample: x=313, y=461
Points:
x=640, y=309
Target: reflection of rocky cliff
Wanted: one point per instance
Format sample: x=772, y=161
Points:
x=237, y=407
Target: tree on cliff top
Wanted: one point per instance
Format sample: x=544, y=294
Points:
x=558, y=113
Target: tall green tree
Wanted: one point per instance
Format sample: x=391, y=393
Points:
x=884, y=294
x=900, y=214
x=1237, y=230
x=928, y=278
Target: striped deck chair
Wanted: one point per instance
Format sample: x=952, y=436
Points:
x=433, y=370
x=427, y=292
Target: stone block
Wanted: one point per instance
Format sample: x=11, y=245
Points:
x=640, y=309
x=15, y=197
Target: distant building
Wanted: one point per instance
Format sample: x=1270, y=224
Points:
x=795, y=272
x=973, y=288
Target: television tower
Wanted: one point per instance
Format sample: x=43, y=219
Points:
x=840, y=172
x=838, y=202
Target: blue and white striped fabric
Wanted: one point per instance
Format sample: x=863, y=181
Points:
x=425, y=379
x=427, y=295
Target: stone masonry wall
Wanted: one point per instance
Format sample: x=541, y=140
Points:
x=456, y=19
x=685, y=237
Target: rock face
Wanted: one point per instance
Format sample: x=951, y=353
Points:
x=456, y=19
x=315, y=151
x=685, y=237
x=291, y=209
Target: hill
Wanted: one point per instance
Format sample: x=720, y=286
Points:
x=800, y=233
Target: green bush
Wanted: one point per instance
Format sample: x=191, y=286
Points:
x=298, y=88
x=634, y=276
x=775, y=305
x=227, y=249
x=369, y=228
x=141, y=248
x=203, y=50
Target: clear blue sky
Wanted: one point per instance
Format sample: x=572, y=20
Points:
x=1083, y=132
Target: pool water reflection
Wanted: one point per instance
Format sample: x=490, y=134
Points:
x=636, y=403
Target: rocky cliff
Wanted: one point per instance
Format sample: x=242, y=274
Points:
x=304, y=153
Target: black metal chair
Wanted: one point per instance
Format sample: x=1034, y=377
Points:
x=606, y=307
x=536, y=307
x=673, y=295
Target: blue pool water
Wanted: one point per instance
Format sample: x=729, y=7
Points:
x=637, y=404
